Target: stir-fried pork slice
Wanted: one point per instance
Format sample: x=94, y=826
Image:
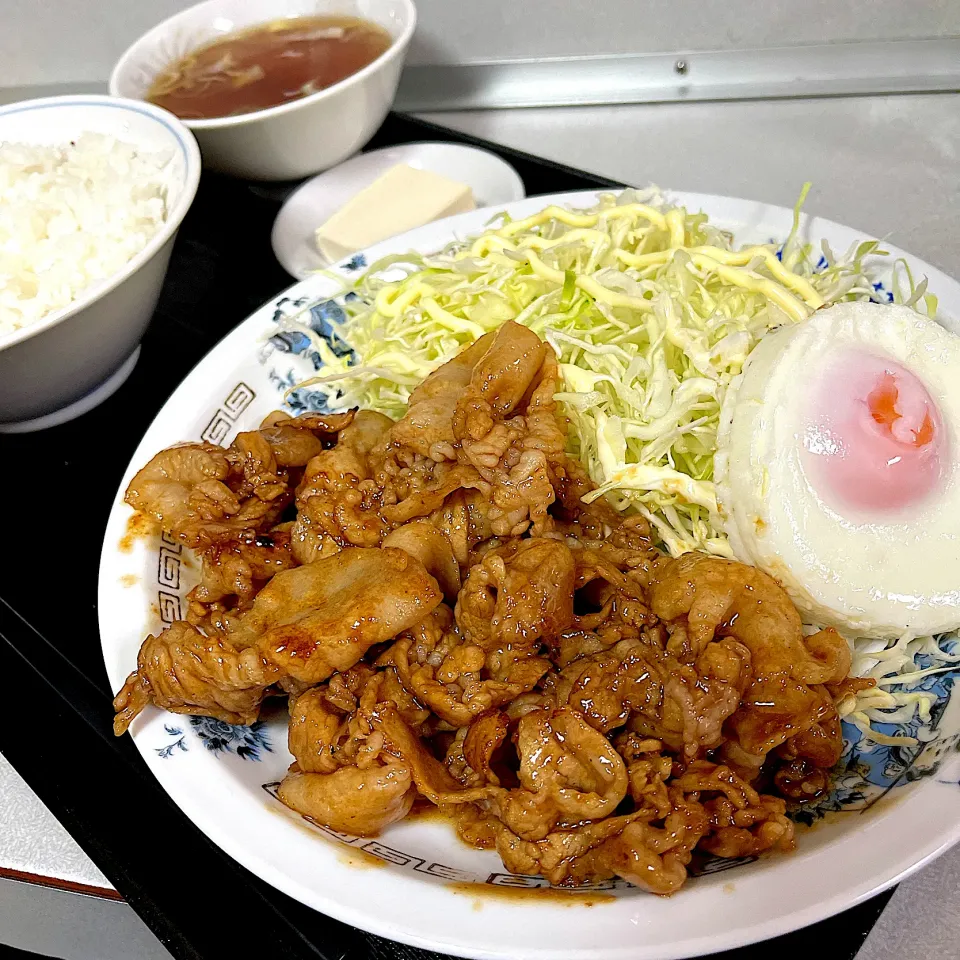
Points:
x=743, y=822
x=808, y=756
x=427, y=426
x=569, y=773
x=295, y=440
x=559, y=689
x=324, y=616
x=462, y=518
x=475, y=746
x=315, y=731
x=636, y=682
x=430, y=776
x=776, y=710
x=655, y=858
x=338, y=504
x=343, y=777
x=239, y=567
x=204, y=494
x=456, y=679
x=328, y=425
x=707, y=808
x=183, y=671
x=331, y=724
x=255, y=467
x=351, y=800
x=183, y=488
x=291, y=446
x=706, y=598
x=421, y=539
x=367, y=431
x=724, y=597
x=486, y=419
x=503, y=375
x=507, y=428
x=518, y=594
x=421, y=488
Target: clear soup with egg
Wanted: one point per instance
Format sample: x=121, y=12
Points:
x=267, y=65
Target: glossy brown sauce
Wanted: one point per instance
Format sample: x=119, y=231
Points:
x=567, y=898
x=426, y=811
x=360, y=859
x=139, y=526
x=267, y=65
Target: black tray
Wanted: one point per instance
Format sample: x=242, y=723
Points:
x=57, y=487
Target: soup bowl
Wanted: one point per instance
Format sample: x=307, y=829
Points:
x=294, y=139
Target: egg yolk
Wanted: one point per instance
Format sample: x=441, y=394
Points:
x=873, y=437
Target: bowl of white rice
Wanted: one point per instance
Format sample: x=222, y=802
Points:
x=92, y=192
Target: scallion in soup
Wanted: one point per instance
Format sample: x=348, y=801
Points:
x=267, y=65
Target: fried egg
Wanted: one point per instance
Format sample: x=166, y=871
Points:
x=837, y=468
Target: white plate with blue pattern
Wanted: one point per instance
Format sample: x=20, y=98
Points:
x=892, y=809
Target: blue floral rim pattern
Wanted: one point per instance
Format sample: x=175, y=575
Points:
x=219, y=738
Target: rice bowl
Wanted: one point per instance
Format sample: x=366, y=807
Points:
x=71, y=216
x=61, y=356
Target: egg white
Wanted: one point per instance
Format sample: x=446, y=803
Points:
x=881, y=575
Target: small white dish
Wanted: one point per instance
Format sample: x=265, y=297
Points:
x=294, y=139
x=75, y=357
x=492, y=180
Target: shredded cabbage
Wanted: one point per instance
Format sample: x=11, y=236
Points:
x=904, y=672
x=652, y=311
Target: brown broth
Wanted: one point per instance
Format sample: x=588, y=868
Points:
x=267, y=65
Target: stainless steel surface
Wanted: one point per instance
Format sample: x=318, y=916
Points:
x=921, y=922
x=894, y=66
x=47, y=915
x=58, y=40
x=889, y=166
x=71, y=926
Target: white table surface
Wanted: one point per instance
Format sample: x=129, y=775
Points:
x=887, y=165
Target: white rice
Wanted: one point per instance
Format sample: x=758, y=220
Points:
x=70, y=217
